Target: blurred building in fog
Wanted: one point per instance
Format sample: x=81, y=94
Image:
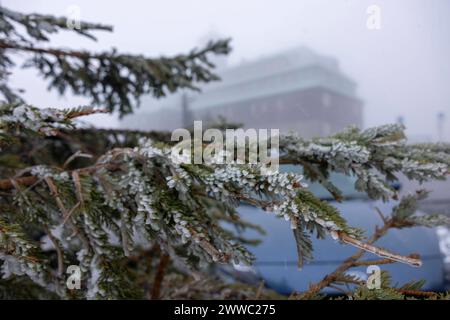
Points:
x=294, y=90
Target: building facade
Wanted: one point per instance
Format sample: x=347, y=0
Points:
x=297, y=90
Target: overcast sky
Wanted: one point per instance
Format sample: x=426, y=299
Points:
x=401, y=69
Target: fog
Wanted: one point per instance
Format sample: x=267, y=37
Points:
x=402, y=69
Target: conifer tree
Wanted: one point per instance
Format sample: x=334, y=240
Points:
x=141, y=225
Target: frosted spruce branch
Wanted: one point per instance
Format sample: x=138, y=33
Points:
x=135, y=197
x=17, y=117
x=403, y=215
x=140, y=194
x=110, y=79
x=105, y=199
x=131, y=194
x=375, y=156
x=39, y=27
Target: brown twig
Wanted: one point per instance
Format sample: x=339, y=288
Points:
x=417, y=293
x=54, y=52
x=6, y=184
x=259, y=291
x=208, y=247
x=86, y=112
x=99, y=56
x=77, y=154
x=77, y=184
x=413, y=261
x=71, y=211
x=59, y=251
x=347, y=264
x=54, y=192
x=159, y=277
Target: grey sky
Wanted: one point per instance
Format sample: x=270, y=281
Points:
x=402, y=69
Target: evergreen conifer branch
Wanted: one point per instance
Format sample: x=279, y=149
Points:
x=403, y=215
x=39, y=27
x=106, y=200
x=110, y=79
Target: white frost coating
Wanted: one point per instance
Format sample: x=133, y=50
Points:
x=38, y=120
x=334, y=235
